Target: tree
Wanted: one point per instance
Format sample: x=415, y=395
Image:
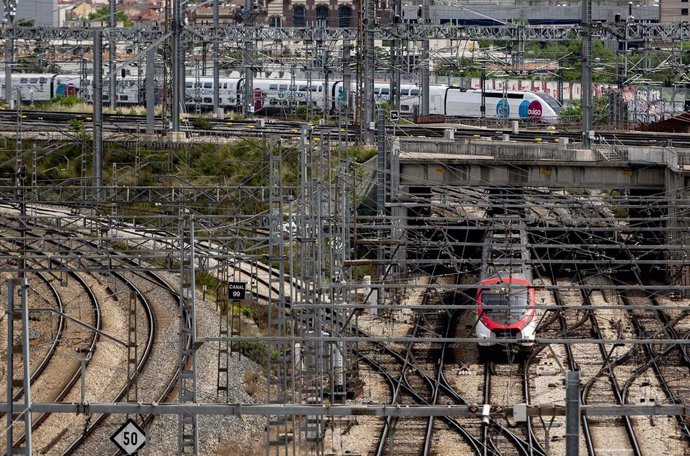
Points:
x=573, y=112
x=103, y=14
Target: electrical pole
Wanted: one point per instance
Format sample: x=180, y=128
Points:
x=586, y=72
x=112, y=55
x=216, y=57
x=248, y=61
x=10, y=12
x=572, y=413
x=150, y=90
x=425, y=62
x=347, y=82
x=177, y=71
x=368, y=71
x=98, y=112
x=395, y=58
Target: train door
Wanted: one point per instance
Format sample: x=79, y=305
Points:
x=258, y=99
x=337, y=96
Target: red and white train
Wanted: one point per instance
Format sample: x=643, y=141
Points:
x=506, y=296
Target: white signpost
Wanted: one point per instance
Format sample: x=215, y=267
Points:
x=129, y=438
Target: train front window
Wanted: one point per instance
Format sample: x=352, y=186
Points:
x=551, y=101
x=504, y=305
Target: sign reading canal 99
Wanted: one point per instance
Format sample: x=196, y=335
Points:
x=532, y=110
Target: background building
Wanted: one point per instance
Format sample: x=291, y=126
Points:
x=674, y=10
x=41, y=12
x=534, y=12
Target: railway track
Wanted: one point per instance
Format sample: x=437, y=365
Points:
x=413, y=379
x=123, y=124
x=149, y=341
x=257, y=271
x=70, y=372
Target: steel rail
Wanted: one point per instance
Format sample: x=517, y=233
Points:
x=38, y=421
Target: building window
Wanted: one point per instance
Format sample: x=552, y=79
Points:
x=321, y=16
x=275, y=21
x=344, y=16
x=684, y=12
x=299, y=16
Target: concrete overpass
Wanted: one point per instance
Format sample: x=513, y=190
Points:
x=552, y=164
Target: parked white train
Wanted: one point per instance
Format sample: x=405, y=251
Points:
x=275, y=95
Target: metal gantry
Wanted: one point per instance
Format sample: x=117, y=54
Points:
x=183, y=37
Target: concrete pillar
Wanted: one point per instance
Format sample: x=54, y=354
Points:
x=516, y=127
x=372, y=295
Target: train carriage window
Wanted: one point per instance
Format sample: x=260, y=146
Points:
x=313, y=88
x=518, y=96
x=273, y=87
x=404, y=92
x=42, y=80
x=208, y=85
x=283, y=87
x=124, y=97
x=385, y=91
x=414, y=92
x=33, y=80
x=405, y=108
x=188, y=85
x=23, y=80
x=302, y=88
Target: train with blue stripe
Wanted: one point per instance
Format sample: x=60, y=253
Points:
x=275, y=96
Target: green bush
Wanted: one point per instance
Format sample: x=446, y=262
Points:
x=256, y=350
x=67, y=100
x=201, y=123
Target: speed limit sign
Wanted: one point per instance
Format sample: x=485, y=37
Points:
x=129, y=438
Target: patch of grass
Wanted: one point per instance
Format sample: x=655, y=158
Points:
x=244, y=311
x=204, y=278
x=362, y=153
x=67, y=100
x=201, y=123
x=257, y=312
x=620, y=213
x=251, y=382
